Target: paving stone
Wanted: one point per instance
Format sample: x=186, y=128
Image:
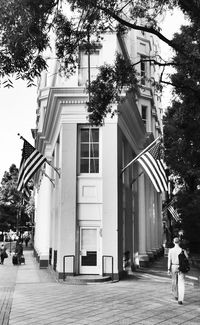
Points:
x=30, y=296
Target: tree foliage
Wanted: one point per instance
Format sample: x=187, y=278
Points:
x=26, y=27
x=10, y=201
x=107, y=88
x=182, y=120
x=188, y=204
x=181, y=129
x=24, y=35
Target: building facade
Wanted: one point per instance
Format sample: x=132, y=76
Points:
x=91, y=218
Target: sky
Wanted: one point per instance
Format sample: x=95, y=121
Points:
x=18, y=108
x=170, y=25
x=17, y=115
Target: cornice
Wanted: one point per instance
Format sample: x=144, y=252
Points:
x=57, y=98
x=144, y=39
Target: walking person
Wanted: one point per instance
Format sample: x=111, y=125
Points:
x=178, y=277
x=27, y=238
x=3, y=253
x=19, y=251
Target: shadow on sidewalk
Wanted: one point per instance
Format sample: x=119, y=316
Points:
x=157, y=271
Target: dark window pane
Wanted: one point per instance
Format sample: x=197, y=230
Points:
x=84, y=150
x=144, y=112
x=142, y=66
x=94, y=150
x=94, y=166
x=94, y=135
x=90, y=259
x=84, y=135
x=84, y=168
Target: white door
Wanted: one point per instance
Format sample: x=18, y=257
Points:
x=89, y=250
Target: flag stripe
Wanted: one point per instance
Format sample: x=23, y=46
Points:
x=27, y=165
x=22, y=171
x=154, y=167
x=33, y=167
x=169, y=204
x=149, y=173
x=174, y=213
x=162, y=174
x=157, y=172
x=162, y=171
x=26, y=192
x=152, y=170
x=31, y=161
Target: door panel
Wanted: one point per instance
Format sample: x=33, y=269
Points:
x=89, y=248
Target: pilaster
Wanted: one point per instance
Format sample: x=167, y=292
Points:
x=143, y=256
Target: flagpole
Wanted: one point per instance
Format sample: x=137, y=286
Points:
x=21, y=137
x=140, y=154
x=51, y=180
x=55, y=168
x=135, y=179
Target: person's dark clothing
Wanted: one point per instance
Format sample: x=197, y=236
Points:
x=19, y=251
x=27, y=241
x=2, y=253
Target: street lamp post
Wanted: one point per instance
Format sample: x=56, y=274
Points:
x=10, y=240
x=18, y=218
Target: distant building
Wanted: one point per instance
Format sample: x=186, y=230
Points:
x=93, y=212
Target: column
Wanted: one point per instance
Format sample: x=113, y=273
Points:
x=66, y=236
x=143, y=257
x=43, y=218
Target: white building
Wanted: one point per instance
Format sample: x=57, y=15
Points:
x=94, y=215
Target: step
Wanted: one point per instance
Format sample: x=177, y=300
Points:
x=84, y=279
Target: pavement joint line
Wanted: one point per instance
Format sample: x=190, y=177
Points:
x=127, y=302
x=192, y=277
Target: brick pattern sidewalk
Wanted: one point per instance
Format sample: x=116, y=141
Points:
x=8, y=275
x=6, y=297
x=140, y=302
x=32, y=297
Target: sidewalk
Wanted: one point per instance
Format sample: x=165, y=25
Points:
x=29, y=295
x=159, y=269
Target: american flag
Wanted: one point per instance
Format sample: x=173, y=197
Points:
x=31, y=161
x=152, y=163
x=174, y=213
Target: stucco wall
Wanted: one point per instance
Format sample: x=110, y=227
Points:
x=67, y=222
x=110, y=185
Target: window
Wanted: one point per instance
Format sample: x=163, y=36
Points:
x=143, y=69
x=89, y=150
x=83, y=66
x=144, y=115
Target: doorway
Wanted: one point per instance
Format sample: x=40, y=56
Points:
x=89, y=250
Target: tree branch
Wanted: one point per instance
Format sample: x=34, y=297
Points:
x=195, y=91
x=150, y=30
x=164, y=64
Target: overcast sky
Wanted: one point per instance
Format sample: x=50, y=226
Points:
x=18, y=110
x=17, y=115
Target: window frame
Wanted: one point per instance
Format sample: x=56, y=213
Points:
x=145, y=120
x=88, y=127
x=143, y=72
x=84, y=67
